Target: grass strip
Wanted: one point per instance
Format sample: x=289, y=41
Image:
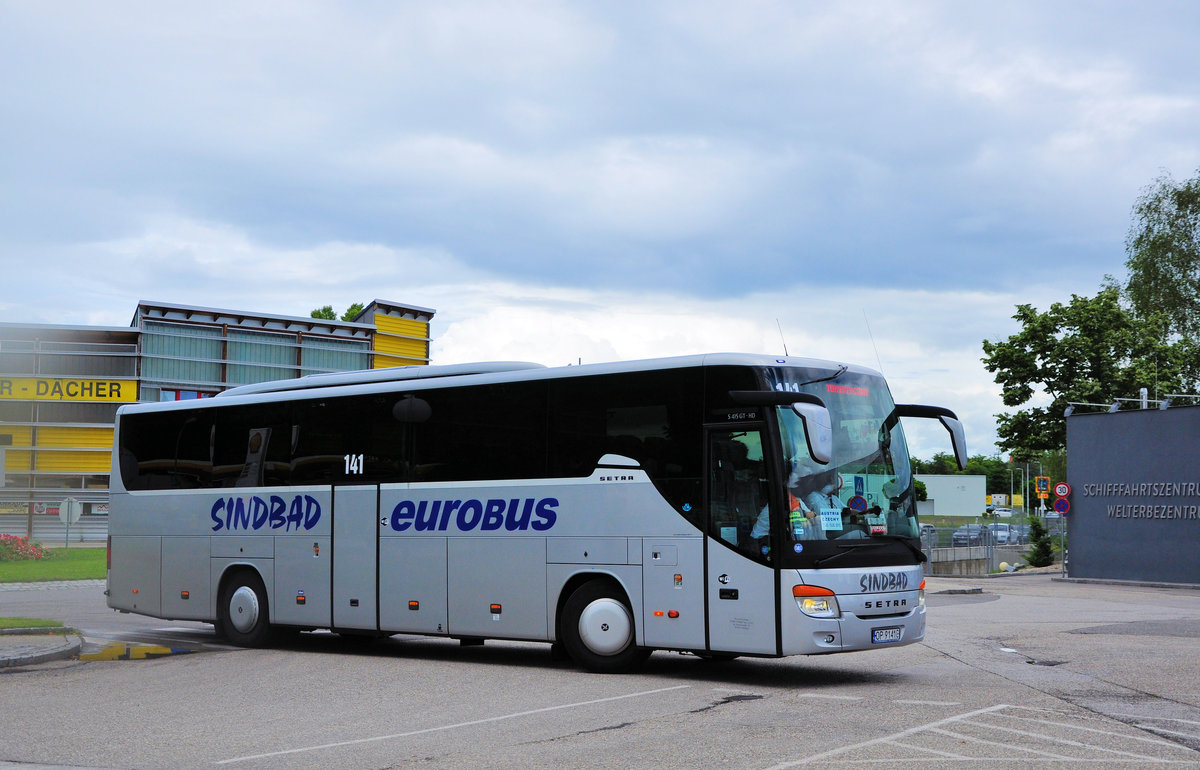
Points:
x=59, y=564
x=29, y=623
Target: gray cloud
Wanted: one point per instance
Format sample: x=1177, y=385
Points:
x=920, y=166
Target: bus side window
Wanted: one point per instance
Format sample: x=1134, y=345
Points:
x=322, y=443
x=191, y=465
x=478, y=433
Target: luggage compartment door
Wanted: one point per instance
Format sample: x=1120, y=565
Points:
x=355, y=557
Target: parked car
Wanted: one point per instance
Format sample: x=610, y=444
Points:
x=1002, y=534
x=971, y=534
x=928, y=530
x=1003, y=513
x=1019, y=533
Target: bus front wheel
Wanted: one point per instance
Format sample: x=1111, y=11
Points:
x=243, y=611
x=598, y=629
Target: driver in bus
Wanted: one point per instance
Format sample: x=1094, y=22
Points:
x=825, y=498
x=802, y=518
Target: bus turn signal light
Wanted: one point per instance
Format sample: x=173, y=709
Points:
x=816, y=602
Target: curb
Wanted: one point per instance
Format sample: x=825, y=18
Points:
x=69, y=646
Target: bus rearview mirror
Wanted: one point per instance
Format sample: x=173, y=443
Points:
x=957, y=438
x=818, y=430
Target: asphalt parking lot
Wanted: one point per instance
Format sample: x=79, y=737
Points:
x=1022, y=670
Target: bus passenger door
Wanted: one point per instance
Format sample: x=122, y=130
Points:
x=355, y=532
x=741, y=584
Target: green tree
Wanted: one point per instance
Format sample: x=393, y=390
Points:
x=942, y=464
x=352, y=312
x=326, y=312
x=1089, y=350
x=995, y=469
x=1163, y=248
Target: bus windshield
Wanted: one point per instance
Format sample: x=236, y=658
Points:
x=865, y=491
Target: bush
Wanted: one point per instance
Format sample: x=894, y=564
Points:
x=1041, y=551
x=13, y=548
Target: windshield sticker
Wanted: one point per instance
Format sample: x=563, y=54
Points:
x=831, y=519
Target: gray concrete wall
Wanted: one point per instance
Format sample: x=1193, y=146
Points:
x=1135, y=495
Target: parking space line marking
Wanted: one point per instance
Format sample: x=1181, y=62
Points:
x=1163, y=731
x=927, y=750
x=1073, y=726
x=473, y=722
x=1068, y=742
x=929, y=702
x=1153, y=718
x=828, y=697
x=1005, y=746
x=887, y=738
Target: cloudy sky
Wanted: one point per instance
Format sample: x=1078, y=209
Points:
x=877, y=183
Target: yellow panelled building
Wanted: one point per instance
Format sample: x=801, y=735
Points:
x=60, y=387
x=401, y=336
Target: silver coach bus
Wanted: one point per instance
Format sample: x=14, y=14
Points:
x=721, y=505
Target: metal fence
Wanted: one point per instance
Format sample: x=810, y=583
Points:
x=49, y=530
x=972, y=558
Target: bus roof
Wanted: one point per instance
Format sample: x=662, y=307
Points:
x=389, y=374
x=343, y=383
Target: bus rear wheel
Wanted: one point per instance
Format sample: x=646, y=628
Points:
x=598, y=629
x=243, y=611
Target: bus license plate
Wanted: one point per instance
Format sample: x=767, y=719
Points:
x=885, y=635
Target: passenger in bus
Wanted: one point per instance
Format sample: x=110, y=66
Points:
x=901, y=518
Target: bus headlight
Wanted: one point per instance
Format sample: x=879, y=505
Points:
x=816, y=602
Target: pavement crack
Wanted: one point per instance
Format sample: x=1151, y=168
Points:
x=568, y=736
x=725, y=701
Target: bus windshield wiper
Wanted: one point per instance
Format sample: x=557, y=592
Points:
x=841, y=370
x=921, y=557
x=846, y=548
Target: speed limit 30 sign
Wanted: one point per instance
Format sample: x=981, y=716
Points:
x=1062, y=489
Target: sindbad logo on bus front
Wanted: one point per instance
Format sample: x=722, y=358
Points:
x=513, y=515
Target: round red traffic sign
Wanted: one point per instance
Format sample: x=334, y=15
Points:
x=1062, y=506
x=1062, y=489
